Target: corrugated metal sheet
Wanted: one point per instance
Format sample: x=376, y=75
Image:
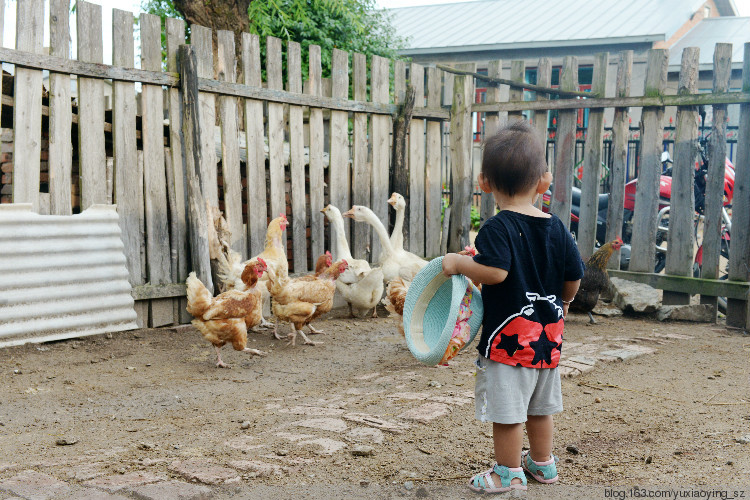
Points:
x=62, y=276
x=707, y=33
x=529, y=23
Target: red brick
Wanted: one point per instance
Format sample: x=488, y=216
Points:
x=44, y=155
x=6, y=179
x=6, y=189
x=4, y=157
x=6, y=167
x=6, y=199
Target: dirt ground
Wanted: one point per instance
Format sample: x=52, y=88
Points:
x=290, y=422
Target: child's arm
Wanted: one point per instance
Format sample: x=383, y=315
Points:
x=570, y=288
x=478, y=273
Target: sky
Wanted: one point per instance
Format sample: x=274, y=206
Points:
x=743, y=6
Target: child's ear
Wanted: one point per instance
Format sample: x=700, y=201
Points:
x=544, y=183
x=483, y=184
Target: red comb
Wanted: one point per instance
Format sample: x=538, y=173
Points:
x=262, y=261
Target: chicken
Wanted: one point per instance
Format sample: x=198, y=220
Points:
x=324, y=262
x=274, y=254
x=359, y=284
x=395, y=296
x=223, y=319
x=595, y=279
x=300, y=301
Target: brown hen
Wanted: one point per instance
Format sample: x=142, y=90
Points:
x=595, y=279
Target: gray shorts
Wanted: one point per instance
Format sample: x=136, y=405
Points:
x=507, y=394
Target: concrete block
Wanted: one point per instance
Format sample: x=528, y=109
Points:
x=325, y=424
x=172, y=490
x=122, y=481
x=202, y=471
x=697, y=313
x=426, y=412
x=35, y=485
x=630, y=296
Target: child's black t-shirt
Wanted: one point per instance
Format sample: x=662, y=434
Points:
x=523, y=321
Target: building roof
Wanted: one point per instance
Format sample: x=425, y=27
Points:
x=709, y=32
x=513, y=24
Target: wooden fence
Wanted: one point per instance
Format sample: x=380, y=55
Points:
x=155, y=164
x=148, y=161
x=678, y=282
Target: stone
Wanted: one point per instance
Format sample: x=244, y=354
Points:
x=584, y=360
x=202, y=471
x=324, y=424
x=365, y=435
x=66, y=441
x=697, y=313
x=122, y=481
x=623, y=354
x=426, y=412
x=409, y=485
x=607, y=310
x=361, y=450
x=581, y=367
x=87, y=471
x=634, y=297
x=326, y=446
x=572, y=449
x=417, y=396
x=245, y=424
x=451, y=400
x=293, y=437
x=744, y=439
x=172, y=490
x=243, y=443
x=372, y=421
x=313, y=411
x=35, y=485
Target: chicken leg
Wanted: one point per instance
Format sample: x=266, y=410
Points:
x=293, y=337
x=375, y=312
x=592, y=321
x=313, y=330
x=219, y=363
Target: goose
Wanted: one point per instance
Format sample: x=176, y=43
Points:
x=397, y=235
x=394, y=262
x=360, y=285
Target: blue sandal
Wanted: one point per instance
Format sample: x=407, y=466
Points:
x=483, y=483
x=544, y=472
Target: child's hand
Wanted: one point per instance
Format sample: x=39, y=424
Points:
x=565, y=310
x=450, y=263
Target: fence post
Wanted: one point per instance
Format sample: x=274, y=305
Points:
x=620, y=135
x=647, y=193
x=433, y=182
x=60, y=112
x=297, y=160
x=192, y=151
x=339, y=168
x=461, y=144
x=681, y=235
x=201, y=40
x=415, y=209
x=491, y=125
x=379, y=83
x=565, y=146
x=592, y=161
x=739, y=256
x=361, y=173
x=712, y=240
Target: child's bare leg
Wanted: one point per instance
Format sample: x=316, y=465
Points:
x=508, y=440
x=540, y=429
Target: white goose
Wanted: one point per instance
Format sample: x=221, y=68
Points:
x=394, y=262
x=360, y=285
x=397, y=235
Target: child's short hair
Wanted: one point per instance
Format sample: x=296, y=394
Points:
x=514, y=158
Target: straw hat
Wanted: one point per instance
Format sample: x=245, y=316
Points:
x=431, y=311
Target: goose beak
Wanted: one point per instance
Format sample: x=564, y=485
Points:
x=392, y=200
x=323, y=210
x=349, y=213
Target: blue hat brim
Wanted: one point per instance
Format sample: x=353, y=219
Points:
x=431, y=310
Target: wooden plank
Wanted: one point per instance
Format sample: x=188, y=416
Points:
x=416, y=234
x=197, y=217
x=150, y=292
x=27, y=114
x=275, y=128
x=492, y=123
x=177, y=189
x=461, y=145
x=618, y=172
x=200, y=38
x=128, y=194
x=361, y=174
x=684, y=284
x=592, y=160
x=649, y=172
x=317, y=200
x=91, y=153
x=381, y=128
x=618, y=102
x=255, y=167
x=154, y=175
x=517, y=74
x=433, y=201
x=60, y=113
x=715, y=179
x=297, y=160
x=565, y=147
x=739, y=258
x=399, y=148
x=230, y=145
x=339, y=168
x=681, y=236
x=544, y=79
x=172, y=205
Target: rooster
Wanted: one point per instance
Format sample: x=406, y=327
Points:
x=222, y=319
x=324, y=262
x=299, y=301
x=274, y=254
x=595, y=279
